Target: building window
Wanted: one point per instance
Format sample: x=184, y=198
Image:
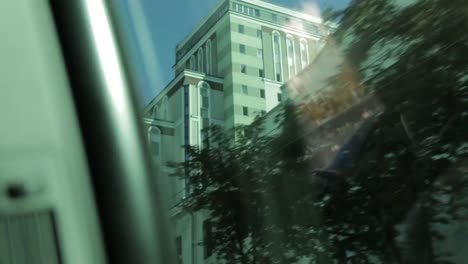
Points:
x=204, y=112
x=208, y=238
x=277, y=55
x=245, y=111
x=262, y=93
x=209, y=61
x=259, y=53
x=242, y=48
x=154, y=147
x=241, y=29
x=205, y=124
x=260, y=73
x=257, y=12
x=274, y=17
x=290, y=51
x=178, y=245
x=243, y=68
x=165, y=108
x=204, y=94
x=205, y=101
x=154, y=139
x=259, y=33
x=155, y=112
x=245, y=90
x=204, y=104
x=193, y=64
x=304, y=53
x=279, y=97
x=200, y=59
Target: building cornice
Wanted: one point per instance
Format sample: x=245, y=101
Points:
x=157, y=122
x=200, y=24
x=287, y=29
x=177, y=79
x=283, y=28
x=203, y=76
x=195, y=48
x=256, y=3
x=283, y=10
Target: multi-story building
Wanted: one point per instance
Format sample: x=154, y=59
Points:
x=228, y=71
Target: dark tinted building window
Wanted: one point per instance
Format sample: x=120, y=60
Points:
x=245, y=111
x=207, y=238
x=241, y=29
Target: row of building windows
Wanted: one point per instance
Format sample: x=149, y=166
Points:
x=277, y=53
x=202, y=61
x=243, y=69
x=246, y=112
x=253, y=12
x=242, y=49
x=245, y=109
x=246, y=9
x=245, y=91
x=274, y=17
x=290, y=54
x=241, y=29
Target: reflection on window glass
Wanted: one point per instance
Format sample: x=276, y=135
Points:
x=354, y=152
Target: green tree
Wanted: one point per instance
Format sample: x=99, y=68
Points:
x=220, y=183
x=411, y=56
x=254, y=185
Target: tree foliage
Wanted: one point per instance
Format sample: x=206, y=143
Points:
x=410, y=56
x=252, y=185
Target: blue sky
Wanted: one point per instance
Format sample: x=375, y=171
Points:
x=167, y=23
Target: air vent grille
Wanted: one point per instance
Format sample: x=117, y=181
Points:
x=28, y=238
